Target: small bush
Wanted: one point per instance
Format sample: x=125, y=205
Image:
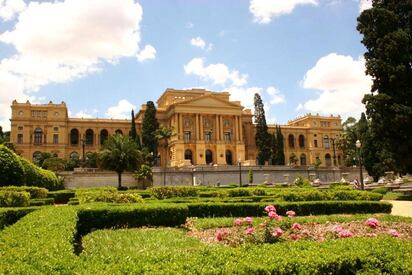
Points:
x=209, y=194
x=36, y=176
x=35, y=192
x=302, y=182
x=107, y=195
x=238, y=192
x=11, y=169
x=41, y=202
x=61, y=196
x=165, y=192
x=259, y=192
x=381, y=190
x=14, y=198
x=340, y=185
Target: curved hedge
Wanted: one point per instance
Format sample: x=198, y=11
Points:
x=35, y=192
x=36, y=176
x=14, y=199
x=11, y=169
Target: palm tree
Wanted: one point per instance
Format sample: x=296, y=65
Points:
x=162, y=135
x=119, y=154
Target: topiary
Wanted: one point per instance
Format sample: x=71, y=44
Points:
x=35, y=176
x=11, y=169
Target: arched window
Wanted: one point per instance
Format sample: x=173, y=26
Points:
x=291, y=140
x=326, y=143
x=328, y=160
x=38, y=136
x=209, y=156
x=89, y=137
x=103, y=136
x=189, y=155
x=74, y=137
x=37, y=156
x=119, y=132
x=229, y=157
x=74, y=155
x=301, y=141
x=303, y=159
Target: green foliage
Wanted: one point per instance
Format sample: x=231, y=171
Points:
x=61, y=196
x=133, y=132
x=9, y=216
x=91, y=160
x=149, y=127
x=280, y=155
x=72, y=163
x=259, y=192
x=36, y=176
x=107, y=195
x=144, y=175
x=41, y=202
x=164, y=192
x=54, y=164
x=238, y=192
x=250, y=176
x=35, y=192
x=119, y=154
x=14, y=198
x=41, y=158
x=293, y=159
x=386, y=33
x=381, y=190
x=340, y=185
x=262, y=137
x=301, y=181
x=11, y=169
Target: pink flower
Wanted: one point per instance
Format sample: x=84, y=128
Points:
x=296, y=226
x=394, y=233
x=305, y=232
x=237, y=222
x=270, y=208
x=345, y=234
x=272, y=215
x=221, y=234
x=277, y=232
x=250, y=231
x=337, y=228
x=295, y=237
x=371, y=235
x=372, y=222
x=290, y=213
x=248, y=220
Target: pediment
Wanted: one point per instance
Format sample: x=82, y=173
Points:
x=209, y=101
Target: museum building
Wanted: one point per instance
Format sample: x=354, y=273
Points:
x=209, y=130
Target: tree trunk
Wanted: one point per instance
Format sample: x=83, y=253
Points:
x=119, y=180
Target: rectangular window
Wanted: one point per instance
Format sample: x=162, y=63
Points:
x=187, y=136
x=19, y=138
x=227, y=136
x=55, y=139
x=20, y=128
x=316, y=143
x=208, y=136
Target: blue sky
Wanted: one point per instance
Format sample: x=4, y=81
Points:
x=104, y=57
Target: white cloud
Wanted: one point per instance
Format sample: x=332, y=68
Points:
x=218, y=73
x=10, y=8
x=264, y=10
x=148, y=52
x=189, y=25
x=198, y=42
x=342, y=83
x=60, y=41
x=364, y=5
x=85, y=114
x=121, y=110
x=275, y=96
x=244, y=95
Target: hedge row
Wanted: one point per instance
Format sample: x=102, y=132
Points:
x=35, y=192
x=107, y=195
x=61, y=196
x=9, y=216
x=14, y=199
x=165, y=192
x=15, y=170
x=41, y=202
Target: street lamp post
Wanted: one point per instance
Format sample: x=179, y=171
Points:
x=359, y=146
x=334, y=151
x=83, y=145
x=240, y=172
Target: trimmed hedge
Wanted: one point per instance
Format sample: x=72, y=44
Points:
x=165, y=192
x=107, y=195
x=9, y=216
x=14, y=198
x=11, y=169
x=36, y=176
x=41, y=202
x=303, y=208
x=35, y=192
x=61, y=196
x=130, y=216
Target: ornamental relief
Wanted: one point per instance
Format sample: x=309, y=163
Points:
x=187, y=123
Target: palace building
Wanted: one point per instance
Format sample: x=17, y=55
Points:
x=209, y=130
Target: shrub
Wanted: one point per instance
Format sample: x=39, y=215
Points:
x=209, y=194
x=36, y=176
x=11, y=169
x=35, y=192
x=14, y=198
x=301, y=181
x=54, y=164
x=9, y=216
x=339, y=184
x=238, y=192
x=381, y=190
x=165, y=192
x=61, y=196
x=107, y=195
x=259, y=192
x=41, y=202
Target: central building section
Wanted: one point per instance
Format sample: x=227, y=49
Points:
x=209, y=128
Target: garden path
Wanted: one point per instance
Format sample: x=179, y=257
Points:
x=402, y=208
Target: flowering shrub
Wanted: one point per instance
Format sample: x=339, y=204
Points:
x=372, y=222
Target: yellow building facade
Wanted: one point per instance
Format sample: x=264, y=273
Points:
x=209, y=130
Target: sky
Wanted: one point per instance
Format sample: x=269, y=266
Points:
x=105, y=57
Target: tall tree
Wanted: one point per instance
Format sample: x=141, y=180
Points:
x=273, y=148
x=162, y=135
x=133, y=131
x=149, y=127
x=119, y=154
x=262, y=136
x=386, y=30
x=280, y=153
